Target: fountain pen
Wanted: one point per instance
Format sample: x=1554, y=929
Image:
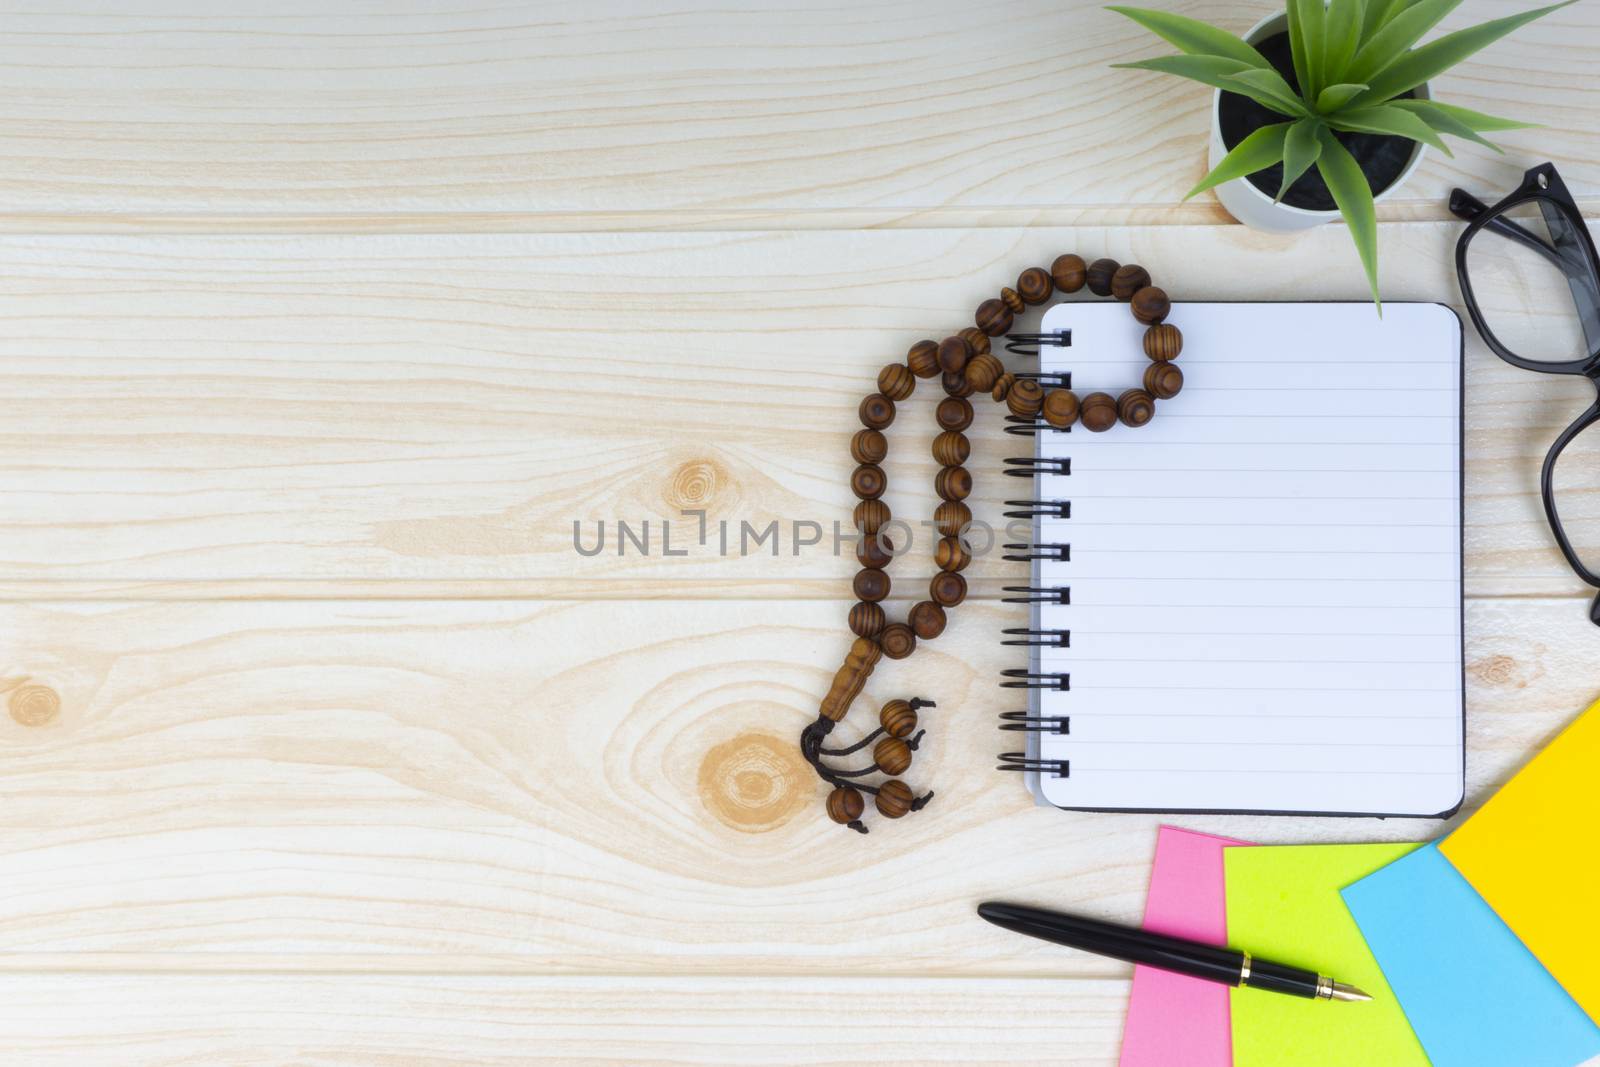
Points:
x=1209, y=962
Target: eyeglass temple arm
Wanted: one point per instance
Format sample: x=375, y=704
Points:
x=1465, y=206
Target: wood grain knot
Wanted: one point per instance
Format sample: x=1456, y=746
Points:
x=1504, y=672
x=34, y=705
x=755, y=782
x=695, y=484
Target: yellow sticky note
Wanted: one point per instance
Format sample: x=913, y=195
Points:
x=1284, y=906
x=1530, y=852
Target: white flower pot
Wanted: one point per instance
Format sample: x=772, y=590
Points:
x=1253, y=207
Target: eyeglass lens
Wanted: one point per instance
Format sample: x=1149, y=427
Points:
x=1534, y=284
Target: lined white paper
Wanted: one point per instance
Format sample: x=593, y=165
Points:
x=1265, y=581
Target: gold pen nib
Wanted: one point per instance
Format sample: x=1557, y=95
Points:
x=1347, y=992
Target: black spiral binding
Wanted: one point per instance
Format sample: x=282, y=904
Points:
x=1027, y=722
x=1021, y=761
x=1029, y=467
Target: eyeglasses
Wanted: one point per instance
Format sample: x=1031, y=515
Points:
x=1531, y=280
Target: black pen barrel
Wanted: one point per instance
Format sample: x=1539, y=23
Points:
x=1192, y=958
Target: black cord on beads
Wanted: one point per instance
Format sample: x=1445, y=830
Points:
x=811, y=747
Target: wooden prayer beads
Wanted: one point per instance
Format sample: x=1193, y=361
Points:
x=1099, y=276
x=952, y=448
x=869, y=446
x=892, y=755
x=953, y=483
x=896, y=381
x=965, y=366
x=947, y=588
x=1069, y=272
x=845, y=804
x=1097, y=412
x=983, y=371
x=1163, y=342
x=870, y=584
x=894, y=799
x=1034, y=285
x=1025, y=398
x=867, y=619
x=953, y=413
x=1125, y=281
x=951, y=518
x=876, y=411
x=897, y=640
x=927, y=620
x=1060, y=408
x=898, y=718
x=1135, y=407
x=871, y=515
x=1150, y=305
x=1163, y=380
x=923, y=359
x=868, y=482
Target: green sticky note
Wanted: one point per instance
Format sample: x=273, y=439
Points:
x=1284, y=905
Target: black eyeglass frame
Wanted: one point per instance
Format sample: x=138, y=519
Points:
x=1572, y=251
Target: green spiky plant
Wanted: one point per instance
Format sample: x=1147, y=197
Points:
x=1353, y=60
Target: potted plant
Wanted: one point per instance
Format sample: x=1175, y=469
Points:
x=1324, y=108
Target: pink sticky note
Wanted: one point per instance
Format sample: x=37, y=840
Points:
x=1173, y=1019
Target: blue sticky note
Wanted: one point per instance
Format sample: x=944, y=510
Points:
x=1474, y=995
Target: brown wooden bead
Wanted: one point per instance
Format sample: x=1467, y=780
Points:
x=1012, y=300
x=1025, y=398
x=896, y=381
x=952, y=518
x=947, y=588
x=876, y=411
x=956, y=384
x=953, y=413
x=898, y=718
x=1099, y=276
x=874, y=550
x=993, y=318
x=892, y=755
x=1034, y=285
x=951, y=448
x=1097, y=412
x=845, y=805
x=982, y=372
x=951, y=554
x=869, y=446
x=1163, y=342
x=851, y=676
x=1060, y=408
x=923, y=359
x=867, y=619
x=868, y=481
x=1163, y=380
x=953, y=483
x=1136, y=407
x=1129, y=279
x=1069, y=272
x=927, y=620
x=953, y=354
x=1002, y=386
x=870, y=515
x=870, y=585
x=894, y=799
x=1150, y=305
x=897, y=640
x=976, y=339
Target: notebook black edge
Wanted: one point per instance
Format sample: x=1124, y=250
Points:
x=1461, y=540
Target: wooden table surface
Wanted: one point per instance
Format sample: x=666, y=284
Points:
x=319, y=331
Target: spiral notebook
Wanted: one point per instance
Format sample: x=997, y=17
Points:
x=1253, y=603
